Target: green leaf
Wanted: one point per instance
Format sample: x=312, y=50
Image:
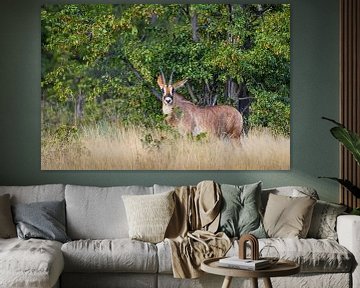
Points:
x=347, y=184
x=349, y=139
x=333, y=121
x=355, y=211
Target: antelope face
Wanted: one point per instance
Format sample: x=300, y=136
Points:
x=167, y=99
x=168, y=95
x=168, y=92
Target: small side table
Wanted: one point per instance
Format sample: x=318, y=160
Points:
x=281, y=268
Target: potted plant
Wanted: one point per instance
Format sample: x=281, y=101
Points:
x=351, y=141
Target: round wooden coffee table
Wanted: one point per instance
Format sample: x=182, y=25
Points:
x=281, y=268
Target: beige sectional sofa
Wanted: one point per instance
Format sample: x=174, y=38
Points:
x=102, y=255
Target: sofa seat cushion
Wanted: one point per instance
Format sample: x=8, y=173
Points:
x=110, y=255
x=30, y=263
x=164, y=257
x=313, y=255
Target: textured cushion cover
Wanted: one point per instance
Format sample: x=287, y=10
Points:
x=44, y=220
x=313, y=255
x=98, y=213
x=7, y=227
x=287, y=216
x=33, y=263
x=240, y=213
x=117, y=255
x=149, y=215
x=323, y=222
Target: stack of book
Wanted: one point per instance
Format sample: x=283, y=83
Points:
x=248, y=264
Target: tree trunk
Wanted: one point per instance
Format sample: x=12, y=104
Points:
x=154, y=18
x=230, y=10
x=244, y=100
x=238, y=93
x=194, y=27
x=232, y=90
x=79, y=107
x=210, y=97
x=192, y=95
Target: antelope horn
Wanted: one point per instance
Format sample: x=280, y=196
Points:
x=163, y=76
x=171, y=76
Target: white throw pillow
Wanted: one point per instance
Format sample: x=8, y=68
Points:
x=149, y=215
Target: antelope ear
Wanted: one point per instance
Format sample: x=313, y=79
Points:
x=179, y=84
x=161, y=81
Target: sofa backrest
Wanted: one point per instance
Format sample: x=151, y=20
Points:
x=163, y=188
x=98, y=212
x=36, y=193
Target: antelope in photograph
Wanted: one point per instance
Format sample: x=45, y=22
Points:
x=222, y=121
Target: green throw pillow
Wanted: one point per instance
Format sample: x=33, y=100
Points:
x=240, y=213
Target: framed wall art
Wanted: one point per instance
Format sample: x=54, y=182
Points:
x=165, y=87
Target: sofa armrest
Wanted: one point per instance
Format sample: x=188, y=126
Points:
x=348, y=230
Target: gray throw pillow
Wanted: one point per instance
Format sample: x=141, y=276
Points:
x=323, y=222
x=7, y=227
x=44, y=220
x=240, y=213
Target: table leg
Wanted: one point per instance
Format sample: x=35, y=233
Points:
x=267, y=283
x=227, y=282
x=254, y=282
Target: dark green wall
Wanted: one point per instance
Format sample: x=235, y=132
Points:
x=314, y=92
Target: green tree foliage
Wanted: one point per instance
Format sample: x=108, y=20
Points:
x=100, y=62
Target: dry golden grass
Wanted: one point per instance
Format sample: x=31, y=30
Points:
x=118, y=148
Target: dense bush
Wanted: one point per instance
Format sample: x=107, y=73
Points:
x=100, y=62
